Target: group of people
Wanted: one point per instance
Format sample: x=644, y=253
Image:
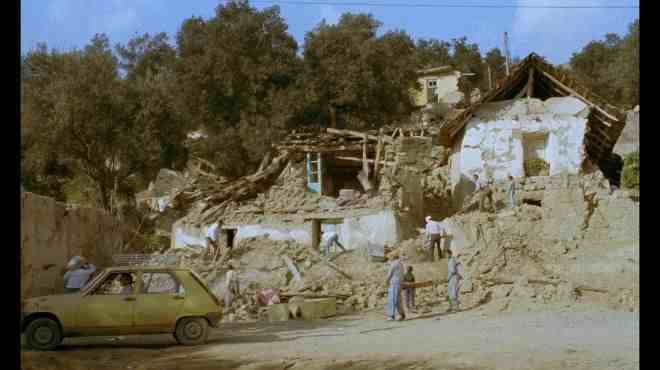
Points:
x=484, y=189
x=396, y=277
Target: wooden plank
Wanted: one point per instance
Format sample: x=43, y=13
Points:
x=421, y=284
x=379, y=147
x=294, y=271
x=356, y=134
x=356, y=159
x=365, y=165
x=579, y=96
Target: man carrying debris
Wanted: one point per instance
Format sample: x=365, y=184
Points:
x=78, y=275
x=394, y=278
x=232, y=286
x=454, y=277
x=485, y=191
x=329, y=238
x=433, y=237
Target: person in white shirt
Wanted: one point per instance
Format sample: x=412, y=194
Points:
x=76, y=278
x=433, y=237
x=329, y=238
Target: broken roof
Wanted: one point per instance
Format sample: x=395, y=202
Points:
x=440, y=69
x=536, y=78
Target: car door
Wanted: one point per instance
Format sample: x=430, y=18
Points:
x=108, y=308
x=159, y=302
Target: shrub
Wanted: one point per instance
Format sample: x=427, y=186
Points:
x=536, y=167
x=630, y=172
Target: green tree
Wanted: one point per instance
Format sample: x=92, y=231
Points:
x=149, y=65
x=432, y=53
x=75, y=106
x=233, y=77
x=356, y=79
x=497, y=63
x=610, y=67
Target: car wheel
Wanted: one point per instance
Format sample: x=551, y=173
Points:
x=191, y=331
x=43, y=334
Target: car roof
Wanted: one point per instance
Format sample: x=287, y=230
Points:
x=145, y=268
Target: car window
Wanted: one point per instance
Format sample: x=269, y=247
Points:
x=117, y=283
x=160, y=282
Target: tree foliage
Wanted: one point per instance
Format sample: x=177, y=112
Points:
x=355, y=78
x=98, y=123
x=610, y=67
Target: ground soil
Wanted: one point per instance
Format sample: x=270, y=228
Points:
x=557, y=337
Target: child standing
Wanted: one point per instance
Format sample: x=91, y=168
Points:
x=409, y=292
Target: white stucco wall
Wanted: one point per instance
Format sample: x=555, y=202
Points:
x=492, y=144
x=380, y=228
x=299, y=233
x=184, y=235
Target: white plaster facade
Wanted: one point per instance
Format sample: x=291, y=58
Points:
x=493, y=142
x=354, y=232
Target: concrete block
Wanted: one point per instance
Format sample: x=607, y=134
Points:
x=278, y=312
x=318, y=308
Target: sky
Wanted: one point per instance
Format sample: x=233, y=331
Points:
x=553, y=33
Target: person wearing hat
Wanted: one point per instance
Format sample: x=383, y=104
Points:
x=394, y=278
x=453, y=278
x=433, y=237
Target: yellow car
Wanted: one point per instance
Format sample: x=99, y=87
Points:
x=125, y=301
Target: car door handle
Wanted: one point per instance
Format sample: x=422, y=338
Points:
x=178, y=297
x=129, y=298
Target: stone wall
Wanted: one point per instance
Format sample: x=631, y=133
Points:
x=51, y=234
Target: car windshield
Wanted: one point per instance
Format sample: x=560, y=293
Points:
x=93, y=281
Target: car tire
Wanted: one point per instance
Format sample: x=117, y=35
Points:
x=191, y=331
x=43, y=334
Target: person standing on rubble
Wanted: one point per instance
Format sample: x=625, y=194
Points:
x=485, y=191
x=511, y=192
x=453, y=279
x=78, y=275
x=394, y=278
x=329, y=238
x=233, y=288
x=433, y=237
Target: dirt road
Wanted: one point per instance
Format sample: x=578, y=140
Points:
x=561, y=338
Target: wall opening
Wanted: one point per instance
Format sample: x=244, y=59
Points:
x=319, y=226
x=340, y=172
x=533, y=202
x=534, y=154
x=228, y=236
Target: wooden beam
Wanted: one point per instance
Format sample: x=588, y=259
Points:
x=577, y=95
x=378, y=150
x=356, y=134
x=530, y=83
x=525, y=90
x=356, y=159
x=365, y=165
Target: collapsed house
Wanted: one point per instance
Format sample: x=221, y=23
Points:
x=537, y=113
x=375, y=187
x=368, y=187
